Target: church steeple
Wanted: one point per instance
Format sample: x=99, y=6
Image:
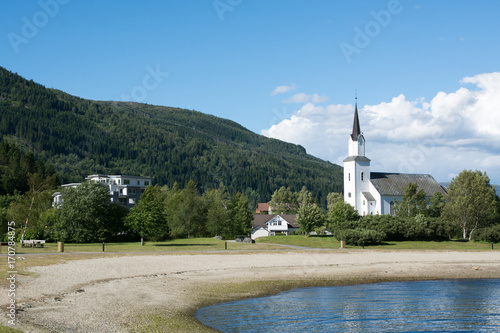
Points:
x=356, y=130
x=356, y=139
x=357, y=169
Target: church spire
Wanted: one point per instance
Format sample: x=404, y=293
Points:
x=356, y=130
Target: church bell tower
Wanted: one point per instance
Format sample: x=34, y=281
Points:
x=356, y=168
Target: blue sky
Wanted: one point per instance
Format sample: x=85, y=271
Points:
x=426, y=72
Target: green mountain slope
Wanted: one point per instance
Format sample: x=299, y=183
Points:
x=79, y=137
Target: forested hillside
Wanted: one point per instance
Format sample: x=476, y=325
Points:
x=79, y=137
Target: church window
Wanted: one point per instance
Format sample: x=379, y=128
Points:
x=349, y=176
x=362, y=176
x=364, y=202
x=349, y=194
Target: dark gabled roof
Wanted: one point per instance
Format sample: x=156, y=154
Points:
x=262, y=220
x=357, y=158
x=368, y=196
x=393, y=184
x=356, y=130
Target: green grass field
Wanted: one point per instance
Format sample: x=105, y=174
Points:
x=330, y=242
x=262, y=243
x=191, y=244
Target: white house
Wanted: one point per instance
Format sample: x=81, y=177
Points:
x=123, y=189
x=270, y=225
x=374, y=192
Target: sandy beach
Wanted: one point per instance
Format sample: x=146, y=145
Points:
x=161, y=292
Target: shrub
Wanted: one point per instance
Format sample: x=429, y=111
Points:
x=489, y=234
x=359, y=236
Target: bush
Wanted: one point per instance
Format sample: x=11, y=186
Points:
x=419, y=228
x=489, y=234
x=359, y=236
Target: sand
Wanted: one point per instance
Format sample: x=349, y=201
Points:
x=117, y=294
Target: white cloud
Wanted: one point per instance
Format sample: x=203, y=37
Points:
x=282, y=89
x=297, y=98
x=454, y=131
x=305, y=98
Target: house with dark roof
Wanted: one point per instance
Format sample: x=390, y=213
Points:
x=375, y=192
x=272, y=224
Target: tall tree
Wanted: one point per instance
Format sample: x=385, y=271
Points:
x=26, y=211
x=241, y=216
x=309, y=217
x=340, y=215
x=471, y=202
x=147, y=217
x=83, y=215
x=184, y=212
x=218, y=215
x=304, y=197
x=412, y=203
x=437, y=204
x=333, y=198
x=283, y=201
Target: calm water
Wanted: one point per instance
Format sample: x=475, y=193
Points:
x=425, y=306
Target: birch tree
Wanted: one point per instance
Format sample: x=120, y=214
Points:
x=471, y=202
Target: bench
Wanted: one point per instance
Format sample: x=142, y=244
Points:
x=33, y=243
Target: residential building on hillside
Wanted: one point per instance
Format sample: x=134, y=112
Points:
x=262, y=208
x=123, y=189
x=374, y=192
x=270, y=225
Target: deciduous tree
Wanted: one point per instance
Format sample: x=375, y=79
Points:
x=83, y=215
x=412, y=203
x=471, y=202
x=309, y=217
x=147, y=217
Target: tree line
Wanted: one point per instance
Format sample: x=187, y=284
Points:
x=470, y=210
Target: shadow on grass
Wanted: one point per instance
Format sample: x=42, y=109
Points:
x=174, y=245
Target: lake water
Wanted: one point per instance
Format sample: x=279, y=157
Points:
x=423, y=306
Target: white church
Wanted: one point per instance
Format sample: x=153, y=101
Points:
x=374, y=192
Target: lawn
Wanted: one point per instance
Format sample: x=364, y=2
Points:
x=330, y=242
x=191, y=244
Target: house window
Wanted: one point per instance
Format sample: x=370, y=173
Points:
x=146, y=182
x=138, y=182
x=391, y=208
x=362, y=176
x=349, y=176
x=279, y=222
x=126, y=182
x=349, y=194
x=364, y=202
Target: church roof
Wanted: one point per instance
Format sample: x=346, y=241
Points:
x=393, y=184
x=357, y=158
x=356, y=130
x=368, y=196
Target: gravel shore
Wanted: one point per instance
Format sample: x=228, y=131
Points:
x=113, y=294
